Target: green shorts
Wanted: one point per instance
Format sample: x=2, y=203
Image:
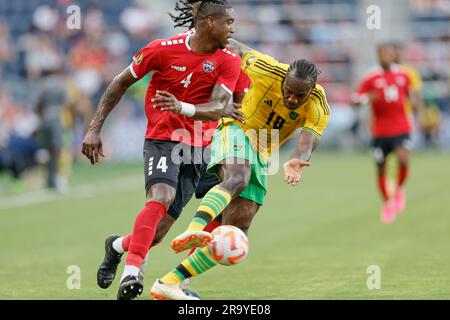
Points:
x=231, y=145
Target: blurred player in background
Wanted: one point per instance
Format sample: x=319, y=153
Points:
x=202, y=75
x=282, y=99
x=413, y=74
x=387, y=89
x=52, y=101
x=429, y=115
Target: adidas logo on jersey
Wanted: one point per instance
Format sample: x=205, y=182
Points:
x=268, y=102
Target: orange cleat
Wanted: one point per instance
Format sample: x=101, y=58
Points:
x=191, y=239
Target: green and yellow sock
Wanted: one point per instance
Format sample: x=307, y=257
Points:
x=197, y=263
x=211, y=206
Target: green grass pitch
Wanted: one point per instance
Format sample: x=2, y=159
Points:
x=313, y=241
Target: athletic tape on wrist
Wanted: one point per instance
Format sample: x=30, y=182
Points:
x=187, y=109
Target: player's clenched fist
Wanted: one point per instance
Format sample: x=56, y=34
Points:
x=293, y=171
x=166, y=102
x=92, y=146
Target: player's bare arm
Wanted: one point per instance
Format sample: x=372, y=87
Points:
x=210, y=111
x=92, y=146
x=238, y=47
x=416, y=101
x=364, y=99
x=307, y=143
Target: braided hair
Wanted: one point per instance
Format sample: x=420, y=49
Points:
x=185, y=18
x=303, y=69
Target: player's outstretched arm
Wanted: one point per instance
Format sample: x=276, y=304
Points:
x=92, y=145
x=307, y=143
x=210, y=111
x=238, y=47
x=360, y=100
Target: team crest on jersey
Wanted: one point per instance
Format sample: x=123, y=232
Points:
x=209, y=66
x=400, y=81
x=293, y=115
x=138, y=58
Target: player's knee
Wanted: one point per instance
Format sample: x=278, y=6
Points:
x=165, y=199
x=235, y=184
x=163, y=195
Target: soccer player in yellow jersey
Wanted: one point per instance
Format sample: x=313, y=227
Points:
x=413, y=74
x=414, y=103
x=282, y=99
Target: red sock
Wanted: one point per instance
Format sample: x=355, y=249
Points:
x=402, y=175
x=126, y=242
x=382, y=187
x=208, y=228
x=144, y=232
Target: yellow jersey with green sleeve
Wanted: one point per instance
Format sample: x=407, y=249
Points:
x=263, y=106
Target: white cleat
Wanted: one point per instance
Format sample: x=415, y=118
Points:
x=184, y=285
x=165, y=291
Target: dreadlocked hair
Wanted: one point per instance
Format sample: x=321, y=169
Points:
x=185, y=18
x=303, y=69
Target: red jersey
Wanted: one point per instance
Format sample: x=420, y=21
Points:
x=190, y=77
x=243, y=83
x=390, y=117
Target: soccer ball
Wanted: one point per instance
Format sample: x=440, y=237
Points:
x=229, y=245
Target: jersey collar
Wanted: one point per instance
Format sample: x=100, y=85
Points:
x=186, y=41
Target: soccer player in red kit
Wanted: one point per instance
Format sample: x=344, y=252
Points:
x=115, y=245
x=387, y=89
x=194, y=76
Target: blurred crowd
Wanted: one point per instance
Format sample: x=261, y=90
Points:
x=38, y=50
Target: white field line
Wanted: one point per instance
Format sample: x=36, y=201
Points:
x=81, y=191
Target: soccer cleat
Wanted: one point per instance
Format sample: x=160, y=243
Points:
x=165, y=291
x=107, y=270
x=388, y=212
x=399, y=200
x=191, y=239
x=130, y=288
x=184, y=285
